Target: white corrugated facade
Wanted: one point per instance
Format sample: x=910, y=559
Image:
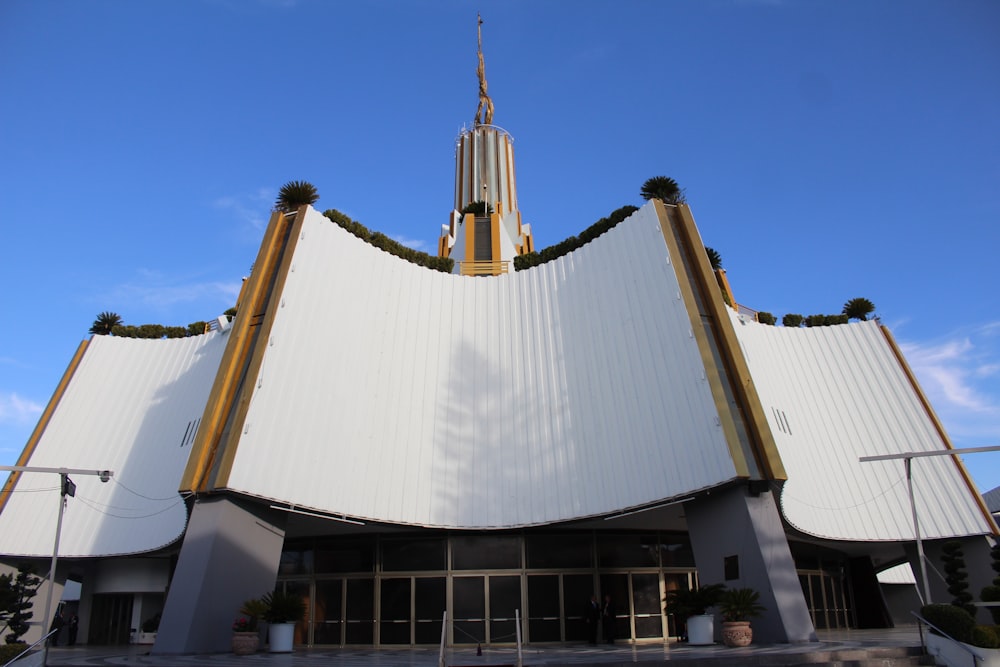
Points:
x=131, y=407
x=832, y=395
x=395, y=393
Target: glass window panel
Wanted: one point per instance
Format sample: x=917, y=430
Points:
x=345, y=555
x=503, y=632
x=394, y=632
x=645, y=626
x=559, y=551
x=469, y=632
x=427, y=632
x=577, y=589
x=675, y=550
x=326, y=611
x=505, y=596
x=544, y=630
x=395, y=600
x=486, y=552
x=360, y=611
x=646, y=597
x=414, y=555
x=637, y=550
x=296, y=559
x=543, y=596
x=616, y=585
x=430, y=598
x=300, y=589
x=468, y=598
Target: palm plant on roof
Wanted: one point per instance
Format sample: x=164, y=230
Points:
x=858, y=309
x=105, y=322
x=294, y=194
x=663, y=188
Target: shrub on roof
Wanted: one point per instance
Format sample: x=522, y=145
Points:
x=567, y=246
x=792, y=320
x=391, y=246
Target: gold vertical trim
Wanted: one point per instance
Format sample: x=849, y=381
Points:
x=229, y=447
x=495, y=237
x=469, y=222
x=43, y=422
x=220, y=399
x=939, y=427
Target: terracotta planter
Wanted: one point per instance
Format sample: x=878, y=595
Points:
x=245, y=643
x=737, y=633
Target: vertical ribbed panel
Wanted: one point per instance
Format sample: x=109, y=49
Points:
x=835, y=394
x=485, y=155
x=131, y=407
x=399, y=394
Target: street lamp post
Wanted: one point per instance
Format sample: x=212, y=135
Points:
x=66, y=488
x=908, y=462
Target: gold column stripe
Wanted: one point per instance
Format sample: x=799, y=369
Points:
x=220, y=398
x=271, y=300
x=43, y=422
x=762, y=440
x=929, y=410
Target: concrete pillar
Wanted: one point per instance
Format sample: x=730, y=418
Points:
x=230, y=554
x=744, y=531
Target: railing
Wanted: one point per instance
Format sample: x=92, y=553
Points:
x=923, y=621
x=490, y=268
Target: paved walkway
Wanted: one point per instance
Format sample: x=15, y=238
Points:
x=138, y=656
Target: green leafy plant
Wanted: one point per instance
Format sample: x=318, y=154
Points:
x=858, y=309
x=765, y=317
x=283, y=607
x=791, y=320
x=714, y=258
x=567, y=246
x=104, y=324
x=740, y=604
x=391, y=246
x=16, y=592
x=684, y=603
x=294, y=194
x=663, y=188
x=951, y=620
x=956, y=576
x=254, y=610
x=151, y=624
x=479, y=208
x=992, y=593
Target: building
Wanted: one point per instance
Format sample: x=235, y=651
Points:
x=393, y=443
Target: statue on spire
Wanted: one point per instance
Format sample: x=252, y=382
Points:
x=485, y=103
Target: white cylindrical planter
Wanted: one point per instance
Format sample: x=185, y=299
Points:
x=701, y=630
x=281, y=637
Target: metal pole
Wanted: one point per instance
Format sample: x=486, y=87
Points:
x=517, y=627
x=52, y=569
x=916, y=530
x=444, y=635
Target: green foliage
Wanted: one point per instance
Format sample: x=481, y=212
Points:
x=984, y=636
x=954, y=621
x=684, y=603
x=294, y=194
x=255, y=610
x=663, y=188
x=765, y=317
x=10, y=651
x=858, y=309
x=151, y=624
x=477, y=207
x=105, y=323
x=16, y=592
x=195, y=329
x=283, y=607
x=956, y=576
x=714, y=258
x=992, y=593
x=393, y=247
x=740, y=604
x=791, y=320
x=572, y=243
x=825, y=320
x=230, y=313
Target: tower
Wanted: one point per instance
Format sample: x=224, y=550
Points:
x=484, y=232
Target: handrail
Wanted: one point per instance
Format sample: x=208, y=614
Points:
x=25, y=651
x=975, y=656
x=484, y=268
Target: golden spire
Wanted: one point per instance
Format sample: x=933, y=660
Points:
x=485, y=103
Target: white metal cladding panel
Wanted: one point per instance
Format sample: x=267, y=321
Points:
x=131, y=407
x=395, y=393
x=835, y=394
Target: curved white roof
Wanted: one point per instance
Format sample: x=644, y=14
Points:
x=131, y=407
x=832, y=395
x=394, y=393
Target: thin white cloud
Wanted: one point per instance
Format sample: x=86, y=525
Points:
x=162, y=297
x=17, y=410
x=416, y=244
x=961, y=376
x=251, y=209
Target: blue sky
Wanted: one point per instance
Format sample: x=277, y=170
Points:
x=829, y=149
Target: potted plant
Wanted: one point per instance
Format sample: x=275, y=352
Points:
x=738, y=606
x=254, y=609
x=245, y=639
x=284, y=610
x=690, y=607
x=149, y=628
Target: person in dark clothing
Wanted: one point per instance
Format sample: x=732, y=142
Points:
x=608, y=620
x=593, y=617
x=57, y=625
x=74, y=623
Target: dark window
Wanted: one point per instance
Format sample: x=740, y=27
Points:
x=342, y=556
x=486, y=552
x=559, y=551
x=414, y=555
